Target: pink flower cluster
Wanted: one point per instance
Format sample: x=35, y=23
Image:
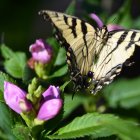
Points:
x=41, y=51
x=49, y=107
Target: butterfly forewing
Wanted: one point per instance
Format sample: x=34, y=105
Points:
x=76, y=34
x=92, y=50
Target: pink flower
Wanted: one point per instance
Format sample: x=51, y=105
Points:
x=51, y=104
x=110, y=27
x=97, y=20
x=16, y=98
x=41, y=51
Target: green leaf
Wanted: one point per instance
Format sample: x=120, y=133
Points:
x=14, y=61
x=89, y=124
x=53, y=43
x=28, y=74
x=21, y=132
x=136, y=24
x=61, y=57
x=71, y=8
x=56, y=50
x=62, y=87
x=6, y=52
x=71, y=104
x=6, y=121
x=98, y=125
x=15, y=65
x=60, y=72
x=122, y=17
x=4, y=77
x=124, y=93
x=125, y=130
x=3, y=136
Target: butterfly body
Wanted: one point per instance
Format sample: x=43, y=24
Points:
x=94, y=55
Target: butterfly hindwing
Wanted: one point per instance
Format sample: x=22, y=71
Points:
x=119, y=48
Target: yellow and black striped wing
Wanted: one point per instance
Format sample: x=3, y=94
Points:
x=118, y=48
x=78, y=38
x=94, y=56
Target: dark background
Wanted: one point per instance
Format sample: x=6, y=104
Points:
x=21, y=24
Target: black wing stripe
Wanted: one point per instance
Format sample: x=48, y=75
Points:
x=131, y=40
x=56, y=14
x=66, y=19
x=121, y=39
x=84, y=31
x=83, y=27
x=74, y=23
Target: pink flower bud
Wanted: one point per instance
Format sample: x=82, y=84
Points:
x=112, y=27
x=97, y=20
x=41, y=51
x=51, y=104
x=16, y=98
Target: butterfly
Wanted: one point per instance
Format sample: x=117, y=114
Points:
x=94, y=55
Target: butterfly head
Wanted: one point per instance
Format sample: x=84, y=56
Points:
x=83, y=81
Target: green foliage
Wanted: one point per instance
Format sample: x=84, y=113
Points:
x=137, y=23
x=6, y=52
x=62, y=88
x=54, y=44
x=71, y=104
x=21, y=132
x=4, y=77
x=124, y=93
x=97, y=125
x=71, y=8
x=59, y=54
x=122, y=16
x=14, y=61
x=6, y=122
x=61, y=57
x=28, y=74
x=84, y=126
x=60, y=72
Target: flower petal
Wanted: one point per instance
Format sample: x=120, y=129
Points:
x=41, y=51
x=97, y=20
x=112, y=27
x=52, y=92
x=13, y=95
x=49, y=109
